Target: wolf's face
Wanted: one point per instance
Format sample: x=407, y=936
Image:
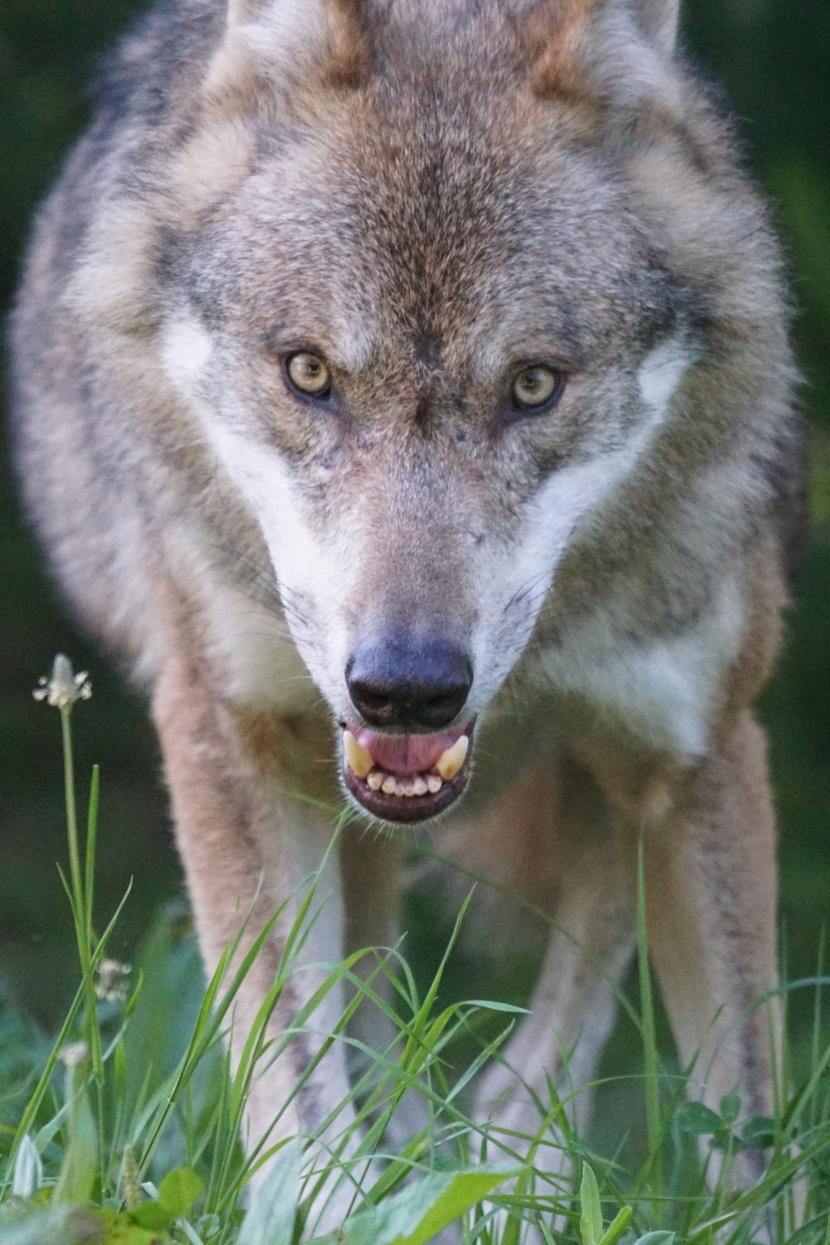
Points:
x=427, y=340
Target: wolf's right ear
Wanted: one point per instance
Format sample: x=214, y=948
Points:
x=272, y=46
x=561, y=37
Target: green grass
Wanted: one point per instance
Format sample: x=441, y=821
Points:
x=125, y=1129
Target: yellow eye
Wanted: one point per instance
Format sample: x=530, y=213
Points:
x=309, y=373
x=535, y=386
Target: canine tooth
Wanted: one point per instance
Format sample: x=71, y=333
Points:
x=434, y=784
x=450, y=762
x=358, y=758
x=375, y=780
x=420, y=786
x=389, y=786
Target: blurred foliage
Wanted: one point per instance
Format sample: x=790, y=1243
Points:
x=771, y=58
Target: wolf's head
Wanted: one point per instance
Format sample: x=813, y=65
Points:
x=445, y=285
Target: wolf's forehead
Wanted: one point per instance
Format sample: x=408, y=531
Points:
x=448, y=238
x=455, y=232
x=446, y=203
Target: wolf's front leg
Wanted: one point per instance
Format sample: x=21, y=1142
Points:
x=711, y=902
x=574, y=1002
x=247, y=846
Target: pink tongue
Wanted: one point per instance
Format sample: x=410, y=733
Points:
x=407, y=754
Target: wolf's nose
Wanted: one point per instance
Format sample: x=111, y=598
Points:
x=409, y=681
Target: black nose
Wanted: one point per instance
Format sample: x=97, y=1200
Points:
x=409, y=681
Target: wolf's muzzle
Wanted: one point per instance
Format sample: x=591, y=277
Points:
x=412, y=686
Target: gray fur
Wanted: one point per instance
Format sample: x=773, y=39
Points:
x=425, y=193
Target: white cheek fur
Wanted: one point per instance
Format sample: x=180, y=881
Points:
x=664, y=692
x=576, y=494
x=568, y=503
x=185, y=352
x=661, y=374
x=263, y=666
x=303, y=563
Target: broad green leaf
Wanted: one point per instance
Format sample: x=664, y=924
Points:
x=179, y=1190
x=590, y=1220
x=655, y=1238
x=617, y=1226
x=273, y=1210
x=121, y=1230
x=728, y=1143
x=153, y=1216
x=420, y=1212
x=758, y=1130
x=694, y=1117
x=28, y=1169
x=131, y=1234
x=730, y=1107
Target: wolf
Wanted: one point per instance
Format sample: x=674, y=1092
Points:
x=403, y=395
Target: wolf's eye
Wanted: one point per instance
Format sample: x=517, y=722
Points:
x=535, y=387
x=309, y=373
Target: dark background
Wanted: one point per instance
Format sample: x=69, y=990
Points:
x=772, y=58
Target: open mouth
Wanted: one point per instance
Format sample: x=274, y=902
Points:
x=406, y=777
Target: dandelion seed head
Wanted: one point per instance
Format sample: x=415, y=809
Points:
x=113, y=981
x=63, y=688
x=74, y=1054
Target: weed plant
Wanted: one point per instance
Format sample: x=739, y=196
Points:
x=125, y=1130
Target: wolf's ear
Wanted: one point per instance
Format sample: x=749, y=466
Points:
x=558, y=35
x=274, y=45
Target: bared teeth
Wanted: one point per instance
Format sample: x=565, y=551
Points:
x=362, y=763
x=404, y=788
x=450, y=762
x=358, y=758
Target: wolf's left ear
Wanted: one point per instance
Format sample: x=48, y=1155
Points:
x=272, y=46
